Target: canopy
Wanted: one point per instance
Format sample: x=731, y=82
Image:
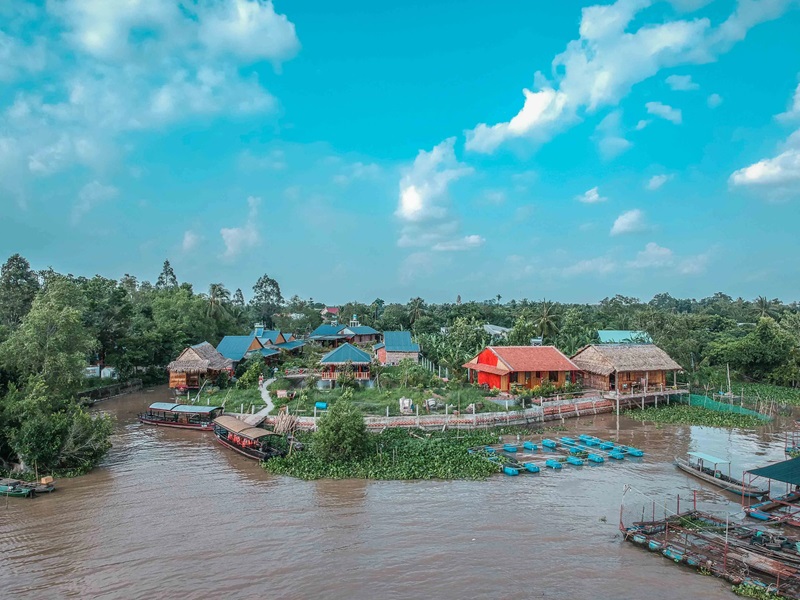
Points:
x=710, y=459
x=787, y=471
x=241, y=428
x=182, y=408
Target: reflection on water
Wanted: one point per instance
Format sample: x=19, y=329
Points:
x=173, y=514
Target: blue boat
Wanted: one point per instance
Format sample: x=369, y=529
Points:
x=630, y=451
x=568, y=441
x=616, y=455
x=510, y=471
x=529, y=446
x=654, y=545
x=510, y=448
x=589, y=440
x=547, y=443
x=532, y=468
x=574, y=460
x=606, y=445
x=596, y=458
x=552, y=464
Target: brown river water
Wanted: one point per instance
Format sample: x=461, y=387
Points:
x=172, y=514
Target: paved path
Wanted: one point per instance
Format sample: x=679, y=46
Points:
x=258, y=417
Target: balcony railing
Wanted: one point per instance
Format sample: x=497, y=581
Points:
x=358, y=375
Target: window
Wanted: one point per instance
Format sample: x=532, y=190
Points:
x=553, y=375
x=513, y=377
x=538, y=374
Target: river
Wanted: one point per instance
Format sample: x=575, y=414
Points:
x=172, y=514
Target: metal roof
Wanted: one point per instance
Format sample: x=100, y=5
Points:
x=266, y=335
x=235, y=346
x=399, y=341
x=709, y=458
x=291, y=345
x=264, y=352
x=787, y=471
x=346, y=353
x=623, y=336
x=183, y=408
x=241, y=428
x=325, y=330
x=362, y=330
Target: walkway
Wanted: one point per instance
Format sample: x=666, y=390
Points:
x=257, y=418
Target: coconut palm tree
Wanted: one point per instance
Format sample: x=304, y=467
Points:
x=765, y=307
x=416, y=308
x=218, y=299
x=547, y=320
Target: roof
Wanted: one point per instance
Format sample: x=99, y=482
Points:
x=486, y=368
x=294, y=344
x=241, y=428
x=183, y=408
x=326, y=330
x=198, y=359
x=787, y=471
x=399, y=341
x=264, y=352
x=266, y=335
x=496, y=330
x=334, y=310
x=528, y=358
x=709, y=458
x=623, y=336
x=235, y=346
x=604, y=359
x=362, y=330
x=287, y=336
x=345, y=353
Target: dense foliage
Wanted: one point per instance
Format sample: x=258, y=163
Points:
x=341, y=434
x=681, y=414
x=395, y=454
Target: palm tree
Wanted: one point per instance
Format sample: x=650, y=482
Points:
x=547, y=320
x=218, y=298
x=416, y=308
x=765, y=308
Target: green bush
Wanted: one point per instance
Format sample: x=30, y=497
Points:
x=342, y=433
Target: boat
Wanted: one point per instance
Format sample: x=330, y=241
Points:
x=781, y=509
x=26, y=489
x=705, y=466
x=181, y=416
x=547, y=443
x=249, y=441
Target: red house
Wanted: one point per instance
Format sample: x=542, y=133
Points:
x=499, y=367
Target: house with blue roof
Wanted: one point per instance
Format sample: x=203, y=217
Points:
x=334, y=334
x=272, y=338
x=237, y=348
x=396, y=346
x=334, y=363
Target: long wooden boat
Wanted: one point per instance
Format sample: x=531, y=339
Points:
x=716, y=477
x=25, y=489
x=181, y=416
x=249, y=441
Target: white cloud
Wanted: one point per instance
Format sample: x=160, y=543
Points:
x=682, y=83
x=631, y=221
x=609, y=137
x=190, y=241
x=714, y=100
x=600, y=67
x=591, y=196
x=275, y=160
x=794, y=108
x=593, y=266
x=18, y=59
x=357, y=171
x=642, y=124
x=664, y=111
x=466, y=243
x=656, y=181
x=777, y=172
x=240, y=239
x=689, y=5
x=653, y=256
x=694, y=265
x=91, y=195
x=495, y=196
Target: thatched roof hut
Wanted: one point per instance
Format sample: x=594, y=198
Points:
x=198, y=359
x=607, y=358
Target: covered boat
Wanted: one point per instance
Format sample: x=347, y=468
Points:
x=25, y=489
x=252, y=442
x=182, y=416
x=705, y=467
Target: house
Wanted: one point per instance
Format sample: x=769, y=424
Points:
x=196, y=363
x=496, y=331
x=623, y=336
x=396, y=346
x=334, y=362
x=335, y=334
x=329, y=313
x=500, y=367
x=272, y=338
x=329, y=334
x=237, y=348
x=625, y=367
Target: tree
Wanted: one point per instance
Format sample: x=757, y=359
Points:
x=377, y=308
x=106, y=315
x=238, y=298
x=342, y=432
x=757, y=354
x=52, y=341
x=766, y=308
x=416, y=308
x=523, y=331
x=218, y=298
x=167, y=277
x=547, y=320
x=267, y=299
x=18, y=287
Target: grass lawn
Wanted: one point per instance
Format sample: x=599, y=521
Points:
x=233, y=400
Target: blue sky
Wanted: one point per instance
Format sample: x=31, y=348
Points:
x=530, y=149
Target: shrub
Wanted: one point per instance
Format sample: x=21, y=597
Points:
x=342, y=432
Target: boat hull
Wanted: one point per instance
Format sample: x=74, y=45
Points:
x=194, y=426
x=728, y=486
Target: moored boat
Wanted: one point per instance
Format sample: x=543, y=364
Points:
x=249, y=441
x=26, y=489
x=711, y=474
x=181, y=416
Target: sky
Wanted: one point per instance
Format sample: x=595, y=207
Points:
x=559, y=150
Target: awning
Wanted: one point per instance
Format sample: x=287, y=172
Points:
x=485, y=368
x=787, y=471
x=709, y=459
x=241, y=428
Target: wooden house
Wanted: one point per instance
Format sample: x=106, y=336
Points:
x=626, y=368
x=396, y=346
x=195, y=364
x=277, y=340
x=354, y=333
x=335, y=361
x=500, y=367
x=240, y=347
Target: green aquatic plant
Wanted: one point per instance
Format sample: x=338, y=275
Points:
x=749, y=590
x=681, y=414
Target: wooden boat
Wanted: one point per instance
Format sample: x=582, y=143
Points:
x=181, y=416
x=714, y=476
x=781, y=509
x=249, y=441
x=25, y=489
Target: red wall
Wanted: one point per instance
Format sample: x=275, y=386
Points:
x=490, y=379
x=487, y=357
x=382, y=355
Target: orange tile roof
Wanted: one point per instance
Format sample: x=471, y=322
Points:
x=534, y=358
x=485, y=368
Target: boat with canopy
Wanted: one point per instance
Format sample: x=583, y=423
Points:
x=707, y=467
x=252, y=442
x=181, y=416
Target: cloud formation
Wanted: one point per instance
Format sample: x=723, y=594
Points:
x=681, y=83
x=714, y=100
x=653, y=256
x=664, y=111
x=631, y=221
x=656, y=181
x=91, y=195
x=591, y=196
x=239, y=239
